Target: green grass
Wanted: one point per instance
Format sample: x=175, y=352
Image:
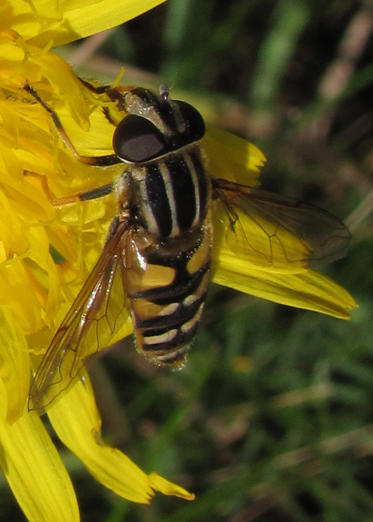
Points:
x=272, y=418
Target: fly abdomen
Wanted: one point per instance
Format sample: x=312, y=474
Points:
x=176, y=323
x=167, y=300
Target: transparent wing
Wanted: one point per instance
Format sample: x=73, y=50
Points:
x=276, y=231
x=97, y=312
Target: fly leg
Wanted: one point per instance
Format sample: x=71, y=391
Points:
x=115, y=94
x=110, y=159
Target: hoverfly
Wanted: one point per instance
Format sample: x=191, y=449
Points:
x=161, y=238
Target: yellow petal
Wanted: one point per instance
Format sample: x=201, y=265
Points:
x=12, y=236
x=169, y=488
x=309, y=289
x=256, y=242
x=76, y=420
x=35, y=471
x=14, y=366
x=231, y=157
x=15, y=276
x=45, y=271
x=77, y=423
x=62, y=21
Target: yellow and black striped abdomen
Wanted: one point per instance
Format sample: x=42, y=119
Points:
x=167, y=287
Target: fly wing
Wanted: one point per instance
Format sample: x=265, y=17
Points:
x=98, y=311
x=278, y=231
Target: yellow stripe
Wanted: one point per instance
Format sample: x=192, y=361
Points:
x=163, y=169
x=193, y=173
x=163, y=338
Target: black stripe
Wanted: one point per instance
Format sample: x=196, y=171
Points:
x=162, y=108
x=162, y=323
x=202, y=182
x=183, y=192
x=148, y=97
x=179, y=261
x=168, y=116
x=158, y=200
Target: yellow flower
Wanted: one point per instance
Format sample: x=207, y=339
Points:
x=36, y=289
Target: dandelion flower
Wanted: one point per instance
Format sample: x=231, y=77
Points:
x=35, y=289
x=46, y=253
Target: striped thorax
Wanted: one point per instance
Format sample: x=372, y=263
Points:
x=166, y=194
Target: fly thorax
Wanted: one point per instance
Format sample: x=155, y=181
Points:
x=171, y=195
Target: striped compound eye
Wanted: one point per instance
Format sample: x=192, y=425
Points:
x=137, y=140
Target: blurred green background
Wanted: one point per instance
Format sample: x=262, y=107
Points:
x=272, y=419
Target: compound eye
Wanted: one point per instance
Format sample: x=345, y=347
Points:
x=193, y=119
x=136, y=140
